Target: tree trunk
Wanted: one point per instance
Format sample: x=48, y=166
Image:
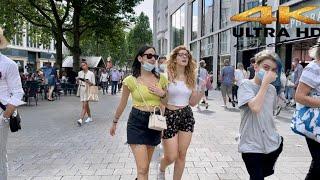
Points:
x=59, y=55
x=76, y=37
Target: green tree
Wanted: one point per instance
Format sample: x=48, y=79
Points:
x=74, y=16
x=107, y=44
x=139, y=35
x=95, y=16
x=50, y=17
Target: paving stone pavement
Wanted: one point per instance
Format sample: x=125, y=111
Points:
x=52, y=147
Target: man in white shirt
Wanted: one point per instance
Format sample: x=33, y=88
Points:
x=11, y=93
x=240, y=75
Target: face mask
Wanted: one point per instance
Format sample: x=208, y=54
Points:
x=162, y=67
x=261, y=74
x=148, y=67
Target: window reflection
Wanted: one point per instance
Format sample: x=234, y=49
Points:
x=207, y=17
x=177, y=27
x=194, y=19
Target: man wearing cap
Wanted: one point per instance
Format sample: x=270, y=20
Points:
x=11, y=93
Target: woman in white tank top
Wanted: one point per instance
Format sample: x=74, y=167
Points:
x=181, y=94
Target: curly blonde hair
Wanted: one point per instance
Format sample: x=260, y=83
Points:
x=190, y=70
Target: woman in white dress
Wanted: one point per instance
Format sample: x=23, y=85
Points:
x=85, y=79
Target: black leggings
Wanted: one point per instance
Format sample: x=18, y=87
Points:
x=261, y=165
x=314, y=171
x=235, y=92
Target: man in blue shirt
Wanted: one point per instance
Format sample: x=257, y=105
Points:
x=227, y=80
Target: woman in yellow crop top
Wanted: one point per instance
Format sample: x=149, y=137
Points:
x=147, y=83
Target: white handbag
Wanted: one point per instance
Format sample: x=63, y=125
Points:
x=156, y=122
x=93, y=94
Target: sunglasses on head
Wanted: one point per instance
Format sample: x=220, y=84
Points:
x=150, y=56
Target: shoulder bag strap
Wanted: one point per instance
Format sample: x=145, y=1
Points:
x=3, y=107
x=141, y=94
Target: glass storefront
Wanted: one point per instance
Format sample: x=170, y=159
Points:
x=250, y=42
x=207, y=17
x=224, y=42
x=249, y=4
x=194, y=50
x=225, y=13
x=206, y=47
x=194, y=20
x=177, y=27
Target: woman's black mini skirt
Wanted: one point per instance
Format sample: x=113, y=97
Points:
x=138, y=131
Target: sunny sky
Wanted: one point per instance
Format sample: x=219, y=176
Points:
x=146, y=6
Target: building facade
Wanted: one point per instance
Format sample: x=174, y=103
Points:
x=28, y=52
x=204, y=26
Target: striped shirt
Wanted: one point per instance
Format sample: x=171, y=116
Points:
x=311, y=76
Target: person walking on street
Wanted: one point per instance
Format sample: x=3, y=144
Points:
x=203, y=76
x=227, y=79
x=11, y=93
x=289, y=88
x=121, y=79
x=115, y=78
x=308, y=93
x=147, y=90
x=50, y=74
x=162, y=65
x=85, y=79
x=298, y=68
x=240, y=75
x=182, y=94
x=104, y=81
x=260, y=143
x=278, y=84
x=251, y=72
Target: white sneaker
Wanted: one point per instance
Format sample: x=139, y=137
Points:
x=79, y=122
x=89, y=119
x=161, y=175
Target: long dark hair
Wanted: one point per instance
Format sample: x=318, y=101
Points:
x=136, y=66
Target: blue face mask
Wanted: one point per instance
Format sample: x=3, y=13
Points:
x=148, y=67
x=261, y=74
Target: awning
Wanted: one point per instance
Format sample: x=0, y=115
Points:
x=93, y=61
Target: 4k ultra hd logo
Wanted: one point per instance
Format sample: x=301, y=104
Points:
x=285, y=17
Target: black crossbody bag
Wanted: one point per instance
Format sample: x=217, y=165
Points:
x=15, y=119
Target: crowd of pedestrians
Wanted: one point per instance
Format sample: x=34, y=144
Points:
x=163, y=88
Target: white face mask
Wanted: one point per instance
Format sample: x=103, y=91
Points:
x=147, y=66
x=162, y=67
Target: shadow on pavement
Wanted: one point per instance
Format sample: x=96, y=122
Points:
x=206, y=111
x=233, y=110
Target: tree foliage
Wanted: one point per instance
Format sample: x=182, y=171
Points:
x=107, y=45
x=77, y=17
x=139, y=35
